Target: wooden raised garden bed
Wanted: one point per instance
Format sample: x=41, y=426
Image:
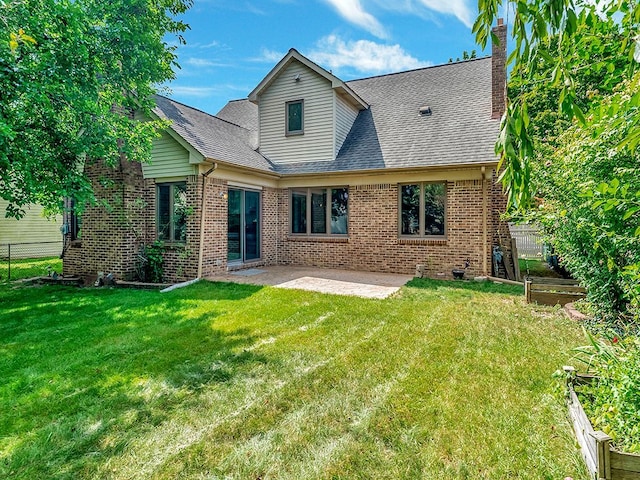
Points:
x=603, y=461
x=552, y=291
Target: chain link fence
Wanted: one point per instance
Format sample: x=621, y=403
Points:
x=26, y=260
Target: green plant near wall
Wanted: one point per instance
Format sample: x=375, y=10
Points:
x=612, y=401
x=154, y=262
x=183, y=256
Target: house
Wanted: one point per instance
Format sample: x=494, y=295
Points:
x=379, y=174
x=33, y=236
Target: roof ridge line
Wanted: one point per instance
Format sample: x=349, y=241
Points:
x=468, y=60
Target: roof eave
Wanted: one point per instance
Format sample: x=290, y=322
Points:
x=259, y=171
x=369, y=171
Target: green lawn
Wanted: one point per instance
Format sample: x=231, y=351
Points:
x=444, y=380
x=29, y=267
x=537, y=268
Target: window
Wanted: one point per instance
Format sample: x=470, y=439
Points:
x=72, y=220
x=422, y=209
x=294, y=114
x=319, y=211
x=172, y=212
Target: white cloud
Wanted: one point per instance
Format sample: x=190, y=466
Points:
x=204, y=62
x=459, y=8
x=353, y=11
x=363, y=55
x=268, y=56
x=199, y=92
x=203, y=92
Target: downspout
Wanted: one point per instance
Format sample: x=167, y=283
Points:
x=485, y=255
x=201, y=249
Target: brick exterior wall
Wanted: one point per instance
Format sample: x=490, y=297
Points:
x=373, y=242
x=111, y=238
x=112, y=230
x=124, y=219
x=499, y=71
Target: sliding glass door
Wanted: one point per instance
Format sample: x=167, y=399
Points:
x=244, y=229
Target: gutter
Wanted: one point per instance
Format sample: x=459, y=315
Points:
x=201, y=248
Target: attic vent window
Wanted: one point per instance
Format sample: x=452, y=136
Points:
x=425, y=111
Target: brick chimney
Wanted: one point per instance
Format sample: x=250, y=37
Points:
x=499, y=70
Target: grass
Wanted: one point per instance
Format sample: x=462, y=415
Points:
x=444, y=380
x=537, y=268
x=29, y=267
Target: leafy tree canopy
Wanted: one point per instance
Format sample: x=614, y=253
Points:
x=569, y=139
x=70, y=70
x=574, y=38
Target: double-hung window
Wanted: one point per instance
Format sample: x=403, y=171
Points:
x=172, y=211
x=319, y=211
x=423, y=209
x=294, y=112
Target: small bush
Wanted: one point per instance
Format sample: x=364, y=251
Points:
x=612, y=401
x=150, y=267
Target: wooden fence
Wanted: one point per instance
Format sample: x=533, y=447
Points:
x=603, y=461
x=528, y=240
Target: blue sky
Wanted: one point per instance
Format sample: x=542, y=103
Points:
x=233, y=44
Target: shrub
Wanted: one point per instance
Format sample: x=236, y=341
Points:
x=590, y=210
x=612, y=401
x=150, y=266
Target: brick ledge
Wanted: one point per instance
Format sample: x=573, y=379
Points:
x=306, y=238
x=422, y=241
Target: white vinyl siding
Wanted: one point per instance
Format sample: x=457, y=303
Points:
x=33, y=227
x=317, y=142
x=345, y=116
x=168, y=159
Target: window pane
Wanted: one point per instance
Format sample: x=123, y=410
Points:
x=180, y=212
x=410, y=210
x=252, y=225
x=339, y=197
x=234, y=248
x=299, y=212
x=164, y=212
x=434, y=198
x=294, y=117
x=319, y=211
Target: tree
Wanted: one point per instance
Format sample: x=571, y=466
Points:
x=568, y=35
x=569, y=138
x=71, y=71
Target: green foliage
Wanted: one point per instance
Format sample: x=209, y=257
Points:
x=590, y=209
x=558, y=44
x=150, y=266
x=568, y=141
x=612, y=401
x=64, y=67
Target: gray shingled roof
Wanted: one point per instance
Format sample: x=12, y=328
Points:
x=240, y=112
x=213, y=137
x=392, y=133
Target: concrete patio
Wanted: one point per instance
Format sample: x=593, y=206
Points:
x=338, y=282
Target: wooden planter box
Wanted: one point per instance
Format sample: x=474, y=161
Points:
x=602, y=461
x=552, y=291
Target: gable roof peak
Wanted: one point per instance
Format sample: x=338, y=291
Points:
x=293, y=55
